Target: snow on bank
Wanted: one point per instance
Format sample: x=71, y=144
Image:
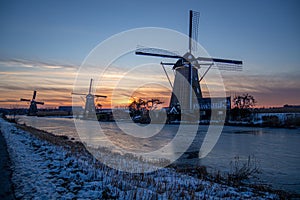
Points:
x=43, y=170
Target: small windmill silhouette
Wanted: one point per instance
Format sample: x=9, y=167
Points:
x=32, y=111
x=89, y=108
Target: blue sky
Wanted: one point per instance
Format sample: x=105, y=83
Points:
x=262, y=33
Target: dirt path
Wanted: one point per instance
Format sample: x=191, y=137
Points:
x=6, y=191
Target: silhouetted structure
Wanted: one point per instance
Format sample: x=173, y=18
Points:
x=32, y=111
x=89, y=108
x=186, y=93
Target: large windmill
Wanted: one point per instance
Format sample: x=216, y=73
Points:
x=187, y=81
x=32, y=111
x=89, y=109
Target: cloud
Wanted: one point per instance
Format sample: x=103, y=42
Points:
x=274, y=89
x=35, y=64
x=9, y=100
x=54, y=83
x=262, y=82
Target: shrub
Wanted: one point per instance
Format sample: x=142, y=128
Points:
x=240, y=171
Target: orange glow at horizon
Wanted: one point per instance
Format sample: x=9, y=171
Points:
x=55, y=83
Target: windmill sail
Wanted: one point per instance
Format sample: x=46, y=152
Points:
x=75, y=93
x=156, y=52
x=24, y=99
x=193, y=30
x=34, y=95
x=221, y=64
x=97, y=95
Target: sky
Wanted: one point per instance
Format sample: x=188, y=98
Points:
x=44, y=43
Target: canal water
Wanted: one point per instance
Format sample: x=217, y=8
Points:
x=276, y=150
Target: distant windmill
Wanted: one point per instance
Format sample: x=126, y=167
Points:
x=186, y=69
x=89, y=109
x=32, y=111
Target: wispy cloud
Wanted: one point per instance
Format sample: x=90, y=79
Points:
x=273, y=89
x=9, y=100
x=52, y=80
x=35, y=64
x=55, y=81
x=262, y=82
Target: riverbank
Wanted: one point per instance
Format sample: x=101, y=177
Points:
x=62, y=164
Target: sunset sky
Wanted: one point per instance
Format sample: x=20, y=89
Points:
x=44, y=43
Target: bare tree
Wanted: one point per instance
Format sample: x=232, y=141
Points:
x=242, y=105
x=140, y=108
x=244, y=101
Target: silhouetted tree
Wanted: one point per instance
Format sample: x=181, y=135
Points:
x=140, y=108
x=244, y=101
x=242, y=106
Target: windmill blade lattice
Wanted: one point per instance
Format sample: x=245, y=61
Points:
x=193, y=30
x=156, y=52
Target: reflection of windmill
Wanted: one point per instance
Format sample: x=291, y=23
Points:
x=186, y=69
x=32, y=111
x=89, y=109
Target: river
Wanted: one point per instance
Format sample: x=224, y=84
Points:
x=276, y=149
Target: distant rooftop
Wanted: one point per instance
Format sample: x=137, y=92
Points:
x=291, y=106
x=285, y=109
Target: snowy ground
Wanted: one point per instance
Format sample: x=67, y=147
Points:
x=42, y=170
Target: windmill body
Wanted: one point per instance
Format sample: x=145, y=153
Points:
x=185, y=77
x=89, y=109
x=32, y=111
x=33, y=108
